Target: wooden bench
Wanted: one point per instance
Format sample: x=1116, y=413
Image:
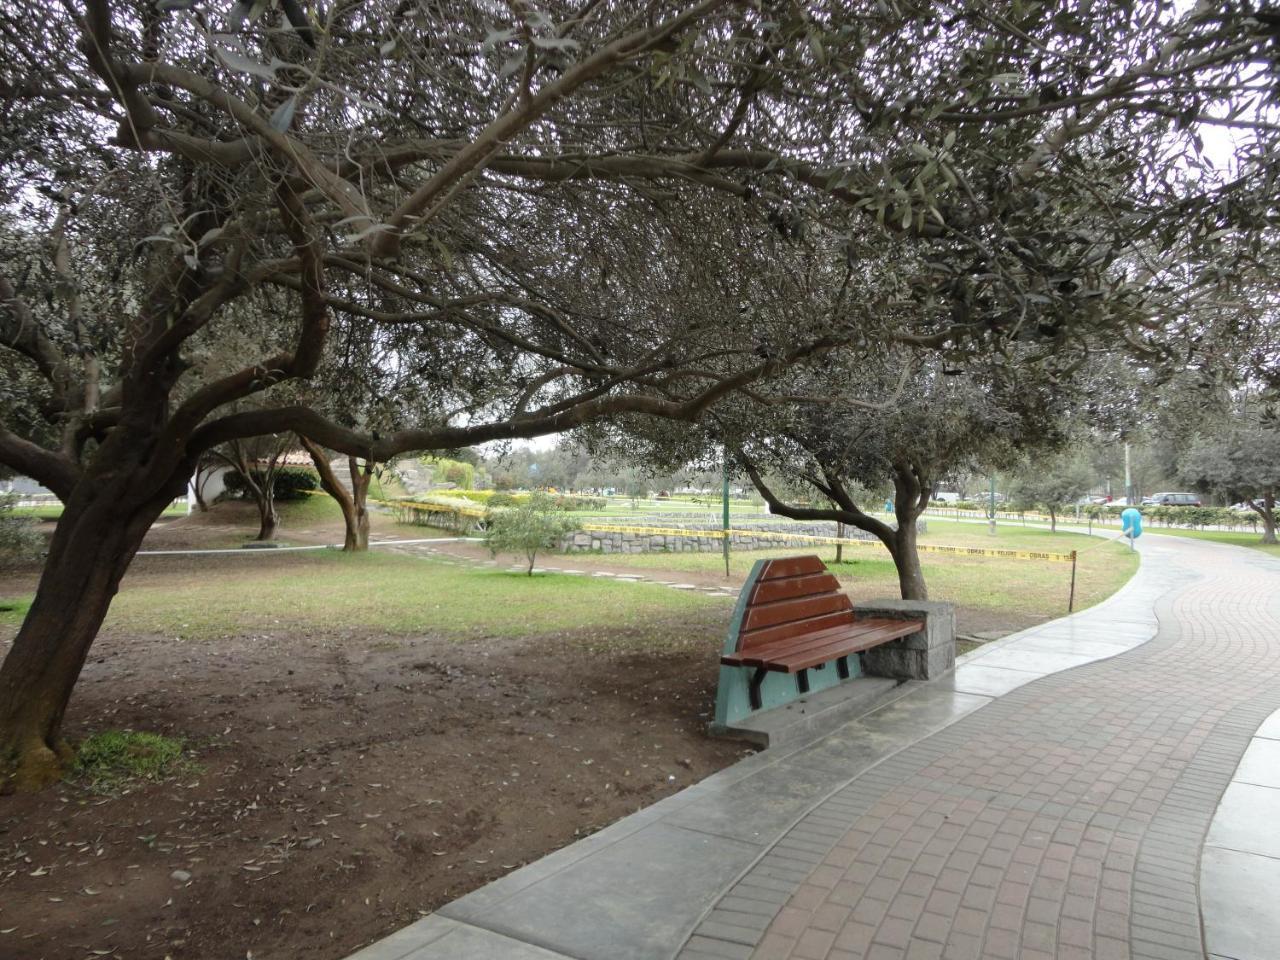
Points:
x=795, y=618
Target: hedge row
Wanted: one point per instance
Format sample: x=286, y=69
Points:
x=1159, y=516
x=1189, y=517
x=503, y=498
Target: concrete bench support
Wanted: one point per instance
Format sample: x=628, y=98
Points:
x=926, y=655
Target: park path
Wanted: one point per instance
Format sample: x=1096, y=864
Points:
x=1065, y=819
x=1050, y=800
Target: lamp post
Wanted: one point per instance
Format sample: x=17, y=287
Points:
x=1128, y=477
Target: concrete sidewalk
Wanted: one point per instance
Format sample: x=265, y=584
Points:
x=1014, y=810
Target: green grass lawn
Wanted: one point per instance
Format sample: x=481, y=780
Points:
x=382, y=593
x=1237, y=538
x=13, y=609
x=54, y=510
x=314, y=508
x=1031, y=587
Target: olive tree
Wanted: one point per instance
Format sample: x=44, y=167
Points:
x=1240, y=458
x=528, y=526
x=1050, y=484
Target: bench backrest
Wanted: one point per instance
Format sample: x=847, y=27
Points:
x=792, y=597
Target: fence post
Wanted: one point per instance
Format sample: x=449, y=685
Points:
x=1071, y=600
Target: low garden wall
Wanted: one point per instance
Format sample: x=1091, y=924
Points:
x=706, y=539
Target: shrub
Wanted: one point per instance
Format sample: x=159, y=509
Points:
x=295, y=483
x=461, y=474
x=19, y=539
x=573, y=502
x=478, y=496
x=504, y=498
x=292, y=483
x=458, y=472
x=527, y=527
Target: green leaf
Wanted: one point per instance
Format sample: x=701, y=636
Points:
x=235, y=60
x=282, y=116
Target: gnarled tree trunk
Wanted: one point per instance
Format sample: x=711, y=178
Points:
x=906, y=558
x=911, y=496
x=1268, y=513
x=268, y=519
x=353, y=503
x=261, y=484
x=97, y=536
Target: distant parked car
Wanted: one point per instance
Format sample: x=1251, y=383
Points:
x=1173, y=500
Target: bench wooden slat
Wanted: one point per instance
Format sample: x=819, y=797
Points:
x=771, y=591
x=802, y=628
x=806, y=657
x=765, y=651
x=791, y=567
x=799, y=608
x=792, y=655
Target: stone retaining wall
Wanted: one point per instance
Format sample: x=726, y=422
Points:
x=597, y=541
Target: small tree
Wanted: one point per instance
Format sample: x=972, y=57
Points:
x=1242, y=460
x=527, y=527
x=256, y=464
x=1051, y=484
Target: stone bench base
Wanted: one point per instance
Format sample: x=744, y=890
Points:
x=926, y=655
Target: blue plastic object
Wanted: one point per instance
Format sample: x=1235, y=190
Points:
x=1131, y=523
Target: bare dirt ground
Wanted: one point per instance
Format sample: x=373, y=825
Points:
x=347, y=781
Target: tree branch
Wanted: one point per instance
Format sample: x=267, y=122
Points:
x=53, y=471
x=473, y=157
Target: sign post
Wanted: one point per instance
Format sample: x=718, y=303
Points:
x=724, y=498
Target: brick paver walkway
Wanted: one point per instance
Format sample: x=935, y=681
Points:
x=1064, y=820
